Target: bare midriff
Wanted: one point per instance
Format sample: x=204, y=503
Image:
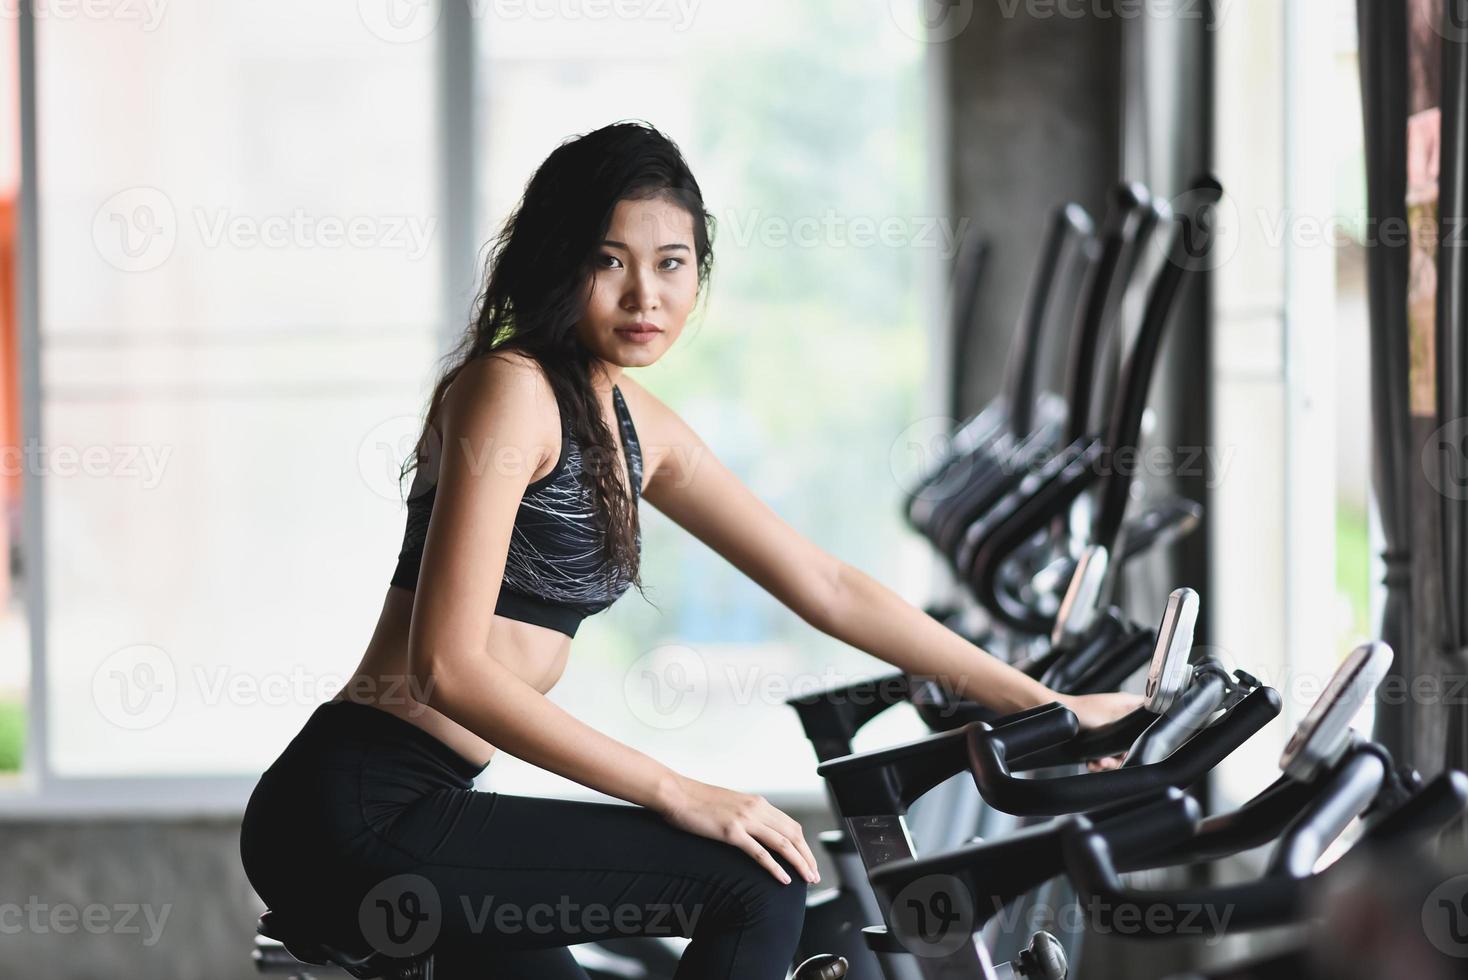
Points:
x=536, y=654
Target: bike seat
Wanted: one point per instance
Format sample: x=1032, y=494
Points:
x=304, y=942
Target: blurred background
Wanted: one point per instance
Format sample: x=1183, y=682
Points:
x=236, y=238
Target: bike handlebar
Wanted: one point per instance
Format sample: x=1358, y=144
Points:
x=989, y=761
x=831, y=718
x=982, y=877
x=887, y=781
x=1094, y=743
x=1429, y=808
x=1276, y=899
x=1187, y=714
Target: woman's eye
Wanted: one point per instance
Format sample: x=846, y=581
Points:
x=607, y=261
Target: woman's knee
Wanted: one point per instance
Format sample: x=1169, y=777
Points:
x=761, y=898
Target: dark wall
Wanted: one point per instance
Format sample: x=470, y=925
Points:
x=1035, y=121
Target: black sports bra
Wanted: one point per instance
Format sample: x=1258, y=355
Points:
x=555, y=574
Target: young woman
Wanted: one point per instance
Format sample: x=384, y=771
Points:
x=522, y=520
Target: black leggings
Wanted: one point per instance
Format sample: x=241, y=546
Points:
x=370, y=828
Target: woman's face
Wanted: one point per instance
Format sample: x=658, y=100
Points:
x=645, y=272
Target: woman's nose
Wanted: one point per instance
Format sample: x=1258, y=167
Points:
x=641, y=294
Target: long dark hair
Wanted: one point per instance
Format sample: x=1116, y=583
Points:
x=534, y=294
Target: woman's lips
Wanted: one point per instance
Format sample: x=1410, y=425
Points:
x=640, y=334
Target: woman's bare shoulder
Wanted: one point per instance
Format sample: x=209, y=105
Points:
x=499, y=382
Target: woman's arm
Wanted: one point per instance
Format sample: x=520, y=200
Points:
x=490, y=700
x=497, y=421
x=871, y=616
x=701, y=494
x=497, y=424
x=868, y=615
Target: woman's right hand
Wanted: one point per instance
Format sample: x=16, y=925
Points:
x=747, y=821
x=1099, y=710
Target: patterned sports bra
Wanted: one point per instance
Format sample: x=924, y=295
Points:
x=555, y=574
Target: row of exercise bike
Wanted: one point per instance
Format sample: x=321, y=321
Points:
x=902, y=912
x=937, y=914
x=959, y=855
